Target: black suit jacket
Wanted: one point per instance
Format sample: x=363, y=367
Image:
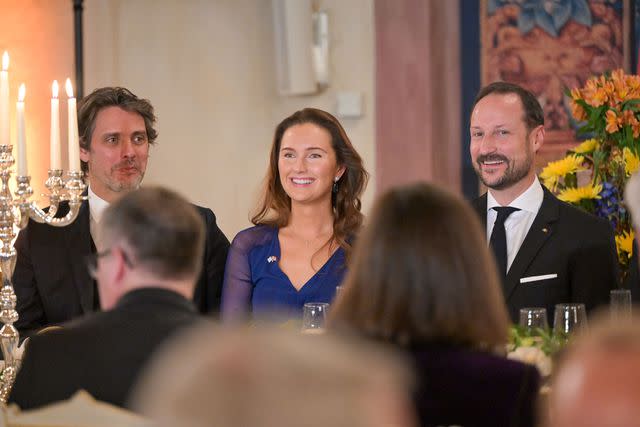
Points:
x=102, y=353
x=632, y=281
x=563, y=240
x=52, y=283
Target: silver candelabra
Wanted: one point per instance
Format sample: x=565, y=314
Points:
x=15, y=211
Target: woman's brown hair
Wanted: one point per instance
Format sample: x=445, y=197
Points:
x=421, y=273
x=275, y=206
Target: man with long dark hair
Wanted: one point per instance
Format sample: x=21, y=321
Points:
x=51, y=281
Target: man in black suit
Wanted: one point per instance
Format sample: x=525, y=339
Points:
x=547, y=251
x=152, y=255
x=632, y=200
x=50, y=279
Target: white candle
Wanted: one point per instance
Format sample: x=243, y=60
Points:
x=56, y=161
x=74, y=140
x=22, y=140
x=4, y=101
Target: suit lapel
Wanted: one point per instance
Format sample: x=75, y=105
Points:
x=480, y=206
x=78, y=239
x=541, y=229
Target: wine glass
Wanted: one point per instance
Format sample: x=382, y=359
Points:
x=534, y=318
x=620, y=303
x=568, y=318
x=314, y=316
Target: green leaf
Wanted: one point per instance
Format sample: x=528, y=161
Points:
x=630, y=104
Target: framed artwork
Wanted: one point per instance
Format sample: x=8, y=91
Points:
x=548, y=46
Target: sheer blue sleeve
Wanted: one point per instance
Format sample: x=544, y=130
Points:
x=237, y=288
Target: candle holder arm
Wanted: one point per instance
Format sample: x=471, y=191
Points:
x=39, y=215
x=73, y=192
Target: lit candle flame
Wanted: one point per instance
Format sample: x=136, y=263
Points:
x=69, y=88
x=54, y=89
x=21, y=92
x=5, y=61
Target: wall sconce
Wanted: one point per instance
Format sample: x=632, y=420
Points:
x=301, y=47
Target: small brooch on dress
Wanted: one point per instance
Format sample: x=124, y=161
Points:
x=271, y=259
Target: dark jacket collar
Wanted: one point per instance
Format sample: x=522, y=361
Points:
x=154, y=296
x=78, y=241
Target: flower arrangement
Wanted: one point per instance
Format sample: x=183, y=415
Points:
x=592, y=176
x=534, y=347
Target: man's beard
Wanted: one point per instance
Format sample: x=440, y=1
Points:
x=129, y=185
x=119, y=186
x=513, y=173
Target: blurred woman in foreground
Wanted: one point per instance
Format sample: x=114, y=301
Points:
x=422, y=279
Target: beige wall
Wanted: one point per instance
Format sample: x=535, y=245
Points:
x=208, y=68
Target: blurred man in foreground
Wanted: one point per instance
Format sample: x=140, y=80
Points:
x=597, y=382
x=153, y=243
x=275, y=378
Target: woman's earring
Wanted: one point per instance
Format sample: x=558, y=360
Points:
x=335, y=185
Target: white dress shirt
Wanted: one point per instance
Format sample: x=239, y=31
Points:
x=517, y=225
x=96, y=209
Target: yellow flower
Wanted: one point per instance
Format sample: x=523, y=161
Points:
x=631, y=162
x=586, y=147
x=624, y=243
x=574, y=195
x=558, y=169
x=551, y=182
x=607, y=107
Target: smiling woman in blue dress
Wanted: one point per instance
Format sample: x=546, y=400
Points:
x=310, y=211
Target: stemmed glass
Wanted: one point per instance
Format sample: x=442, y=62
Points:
x=620, y=303
x=534, y=319
x=568, y=318
x=314, y=315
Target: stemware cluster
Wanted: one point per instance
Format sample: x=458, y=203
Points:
x=568, y=318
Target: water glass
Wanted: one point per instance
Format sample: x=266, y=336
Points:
x=533, y=318
x=314, y=315
x=339, y=290
x=568, y=318
x=620, y=303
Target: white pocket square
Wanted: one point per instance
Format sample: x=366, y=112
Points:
x=537, y=278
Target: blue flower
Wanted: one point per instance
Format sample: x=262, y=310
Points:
x=608, y=205
x=550, y=15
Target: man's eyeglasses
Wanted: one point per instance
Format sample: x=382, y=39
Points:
x=92, y=261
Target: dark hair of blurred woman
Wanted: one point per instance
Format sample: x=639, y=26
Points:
x=422, y=273
x=422, y=278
